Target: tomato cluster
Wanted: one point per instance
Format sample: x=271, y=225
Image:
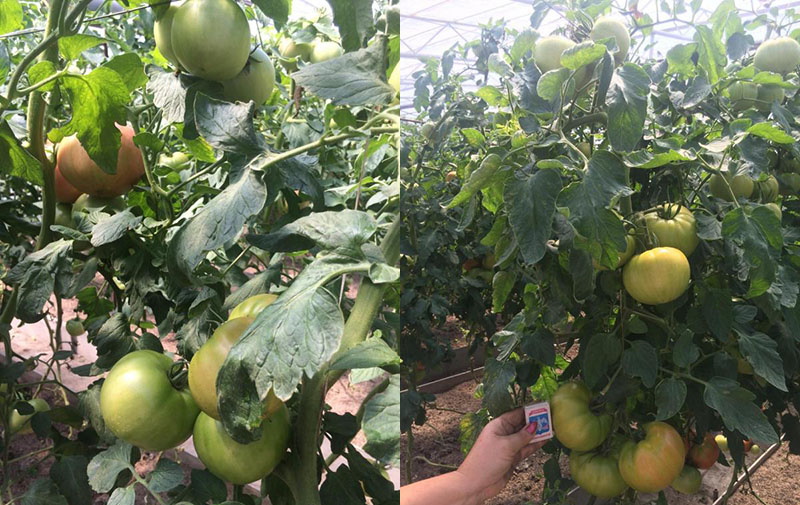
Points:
x=143, y=404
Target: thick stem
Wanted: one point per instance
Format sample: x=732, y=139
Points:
x=370, y=298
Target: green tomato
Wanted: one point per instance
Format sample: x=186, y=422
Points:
x=610, y=27
x=597, y=474
x=776, y=209
x=208, y=360
x=779, y=55
x=657, y=276
x=290, y=50
x=242, y=463
x=743, y=94
x=574, y=425
x=755, y=449
x=393, y=20
x=177, y=161
x=673, y=225
x=768, y=94
x=87, y=204
x=585, y=148
x=547, y=52
x=140, y=405
x=254, y=83
x=252, y=306
x=63, y=215
x=740, y=186
x=427, y=130
x=20, y=423
x=324, y=51
x=688, y=481
x=211, y=38
x=790, y=183
x=75, y=327
x=654, y=463
x=162, y=32
x=767, y=190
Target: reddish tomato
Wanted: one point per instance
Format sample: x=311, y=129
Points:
x=704, y=456
x=653, y=464
x=83, y=173
x=65, y=192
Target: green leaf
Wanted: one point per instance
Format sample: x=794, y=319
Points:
x=550, y=84
x=771, y=132
x=524, y=43
x=278, y=10
x=670, y=396
x=470, y=427
x=69, y=473
x=478, y=179
x=15, y=160
x=130, y=68
x=99, y=100
x=602, y=351
x=41, y=71
x=582, y=54
x=711, y=53
x=641, y=360
x=72, y=46
x=496, y=386
x=42, y=491
x=531, y=205
x=217, y=222
x=502, y=285
x=167, y=476
x=114, y=228
x=38, y=275
x=377, y=486
x=762, y=352
x=123, y=496
x=735, y=405
x=354, y=19
x=759, y=236
x=627, y=107
x=10, y=16
x=228, y=127
x=373, y=352
x=492, y=96
x=717, y=310
x=646, y=159
x=341, y=487
x=355, y=78
x=381, y=424
x=685, y=351
x=104, y=468
x=679, y=59
x=474, y=137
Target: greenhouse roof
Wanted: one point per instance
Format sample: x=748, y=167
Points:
x=431, y=27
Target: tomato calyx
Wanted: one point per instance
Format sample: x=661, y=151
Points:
x=178, y=374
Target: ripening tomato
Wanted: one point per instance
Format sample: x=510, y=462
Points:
x=252, y=306
x=242, y=463
x=597, y=474
x=65, y=192
x=208, y=360
x=140, y=405
x=85, y=175
x=704, y=455
x=673, y=225
x=652, y=464
x=576, y=426
x=657, y=276
x=689, y=480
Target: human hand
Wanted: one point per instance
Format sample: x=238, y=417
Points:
x=502, y=444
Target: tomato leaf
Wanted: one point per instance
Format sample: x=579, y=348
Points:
x=69, y=473
x=16, y=161
x=670, y=396
x=531, y=204
x=123, y=496
x=641, y=360
x=114, y=228
x=600, y=353
x=10, y=16
x=355, y=78
x=72, y=46
x=38, y=275
x=217, y=222
x=497, y=380
x=42, y=491
x=373, y=352
x=278, y=10
x=759, y=236
x=627, y=106
x=482, y=177
x=227, y=126
x=354, y=19
x=167, y=476
x=104, y=468
x=381, y=423
x=762, y=352
x=735, y=405
x=341, y=487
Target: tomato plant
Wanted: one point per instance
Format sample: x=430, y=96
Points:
x=568, y=145
x=208, y=177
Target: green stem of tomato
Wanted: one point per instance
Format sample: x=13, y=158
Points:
x=304, y=482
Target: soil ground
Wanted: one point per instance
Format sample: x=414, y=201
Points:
x=436, y=443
